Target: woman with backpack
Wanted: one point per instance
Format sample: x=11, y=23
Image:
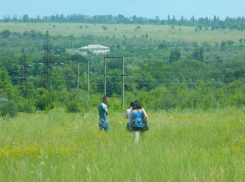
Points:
x=127, y=113
x=138, y=121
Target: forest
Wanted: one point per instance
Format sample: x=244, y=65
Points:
x=162, y=74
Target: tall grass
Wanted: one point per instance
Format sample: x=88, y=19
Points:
x=180, y=146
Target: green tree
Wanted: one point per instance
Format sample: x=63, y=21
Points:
x=6, y=33
x=174, y=55
x=223, y=44
x=162, y=46
x=198, y=54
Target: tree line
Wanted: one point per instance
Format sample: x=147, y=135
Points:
x=206, y=23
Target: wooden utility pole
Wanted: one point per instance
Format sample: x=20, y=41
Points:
x=77, y=75
x=104, y=76
x=123, y=82
x=114, y=75
x=88, y=77
x=47, y=62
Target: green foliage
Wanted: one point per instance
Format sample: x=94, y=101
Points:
x=162, y=46
x=81, y=27
x=223, y=44
x=174, y=55
x=26, y=105
x=198, y=54
x=47, y=100
x=71, y=36
x=9, y=108
x=114, y=104
x=138, y=27
x=230, y=42
x=74, y=106
x=104, y=27
x=6, y=33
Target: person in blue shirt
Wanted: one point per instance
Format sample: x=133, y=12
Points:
x=138, y=121
x=103, y=113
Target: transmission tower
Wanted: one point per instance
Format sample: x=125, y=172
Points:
x=23, y=71
x=47, y=62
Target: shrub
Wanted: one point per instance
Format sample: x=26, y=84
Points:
x=162, y=46
x=47, y=100
x=74, y=106
x=26, y=106
x=6, y=33
x=9, y=108
x=104, y=27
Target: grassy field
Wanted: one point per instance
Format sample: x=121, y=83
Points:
x=180, y=146
x=154, y=31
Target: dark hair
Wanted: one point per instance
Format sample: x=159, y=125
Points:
x=136, y=105
x=131, y=103
x=105, y=97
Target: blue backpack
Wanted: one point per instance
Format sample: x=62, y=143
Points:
x=138, y=120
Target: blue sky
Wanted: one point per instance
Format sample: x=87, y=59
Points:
x=145, y=8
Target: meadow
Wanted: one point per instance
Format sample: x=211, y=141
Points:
x=189, y=145
x=185, y=33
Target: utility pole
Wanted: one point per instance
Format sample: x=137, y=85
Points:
x=114, y=75
x=23, y=71
x=77, y=74
x=104, y=76
x=88, y=77
x=47, y=61
x=123, y=82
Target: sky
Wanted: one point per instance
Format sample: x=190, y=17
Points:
x=128, y=8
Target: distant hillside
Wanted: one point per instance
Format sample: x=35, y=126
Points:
x=154, y=31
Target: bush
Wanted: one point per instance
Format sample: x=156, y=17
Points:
x=74, y=106
x=104, y=27
x=9, y=108
x=47, y=100
x=6, y=33
x=162, y=46
x=26, y=106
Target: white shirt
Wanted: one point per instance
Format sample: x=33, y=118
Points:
x=128, y=114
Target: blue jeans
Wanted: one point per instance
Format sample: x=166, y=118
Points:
x=103, y=124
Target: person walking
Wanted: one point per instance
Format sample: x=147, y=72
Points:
x=103, y=113
x=138, y=121
x=127, y=113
